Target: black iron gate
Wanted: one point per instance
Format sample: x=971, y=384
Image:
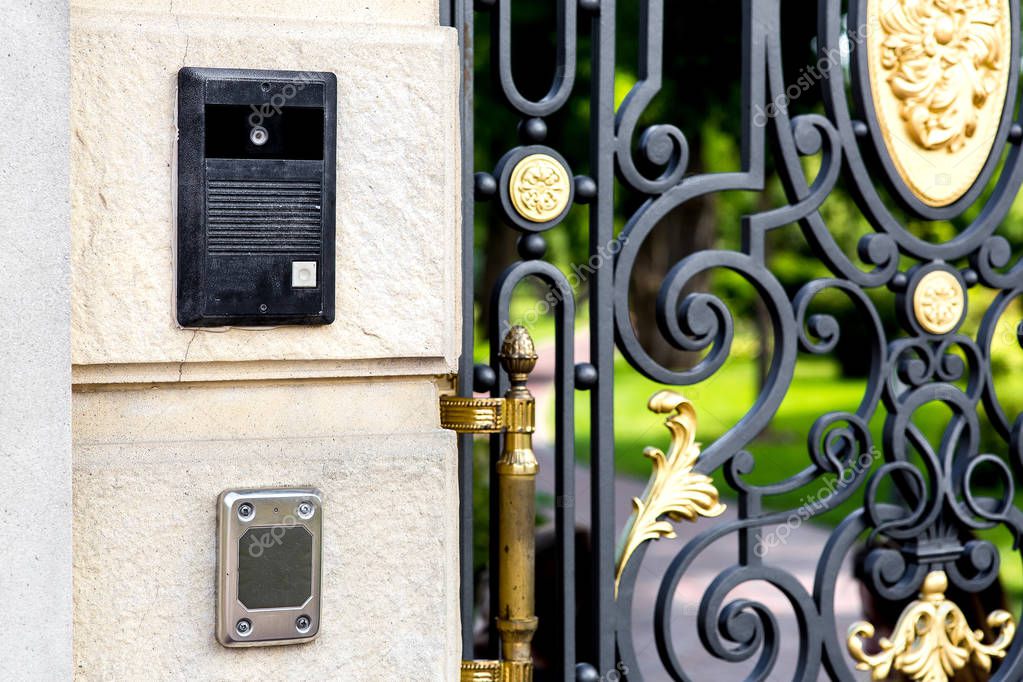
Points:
x=914, y=115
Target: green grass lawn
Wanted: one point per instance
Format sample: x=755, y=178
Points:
x=781, y=450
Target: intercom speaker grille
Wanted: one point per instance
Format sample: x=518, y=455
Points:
x=264, y=216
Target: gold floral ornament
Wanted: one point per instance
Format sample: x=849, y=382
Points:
x=539, y=188
x=944, y=56
x=939, y=73
x=674, y=490
x=932, y=640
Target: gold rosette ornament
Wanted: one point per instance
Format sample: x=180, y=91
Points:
x=674, y=490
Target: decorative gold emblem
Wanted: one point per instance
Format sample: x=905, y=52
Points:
x=539, y=188
x=939, y=72
x=939, y=302
x=674, y=489
x=932, y=640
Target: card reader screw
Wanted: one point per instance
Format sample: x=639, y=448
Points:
x=302, y=623
x=243, y=627
x=305, y=510
x=246, y=511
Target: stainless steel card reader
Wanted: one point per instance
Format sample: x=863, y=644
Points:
x=268, y=566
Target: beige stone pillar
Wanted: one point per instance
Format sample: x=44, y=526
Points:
x=165, y=418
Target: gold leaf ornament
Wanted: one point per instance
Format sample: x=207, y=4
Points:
x=675, y=491
x=932, y=640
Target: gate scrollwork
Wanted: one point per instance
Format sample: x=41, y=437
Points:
x=939, y=75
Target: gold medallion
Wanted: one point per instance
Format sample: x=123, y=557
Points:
x=939, y=302
x=939, y=72
x=539, y=188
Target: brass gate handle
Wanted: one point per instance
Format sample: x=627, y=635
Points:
x=515, y=416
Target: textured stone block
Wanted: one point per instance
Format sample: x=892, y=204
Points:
x=397, y=186
x=149, y=464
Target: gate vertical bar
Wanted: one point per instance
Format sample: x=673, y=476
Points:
x=602, y=337
x=564, y=491
x=459, y=15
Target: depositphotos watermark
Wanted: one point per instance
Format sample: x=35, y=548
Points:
x=809, y=76
x=815, y=503
x=579, y=274
x=275, y=105
x=273, y=536
x=1010, y=334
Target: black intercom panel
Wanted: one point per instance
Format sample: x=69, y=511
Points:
x=256, y=183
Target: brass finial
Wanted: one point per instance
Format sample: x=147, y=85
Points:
x=518, y=354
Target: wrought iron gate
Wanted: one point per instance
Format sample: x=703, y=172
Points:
x=918, y=122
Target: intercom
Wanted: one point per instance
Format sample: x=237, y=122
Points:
x=268, y=566
x=255, y=207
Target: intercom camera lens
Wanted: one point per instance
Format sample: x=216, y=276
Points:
x=259, y=136
x=246, y=511
x=243, y=627
x=305, y=510
x=303, y=623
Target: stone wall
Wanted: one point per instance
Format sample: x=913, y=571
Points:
x=165, y=418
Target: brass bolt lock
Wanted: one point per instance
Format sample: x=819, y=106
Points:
x=514, y=416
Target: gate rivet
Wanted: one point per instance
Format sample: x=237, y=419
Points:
x=585, y=189
x=484, y=378
x=585, y=376
x=584, y=672
x=484, y=186
x=532, y=130
x=532, y=246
